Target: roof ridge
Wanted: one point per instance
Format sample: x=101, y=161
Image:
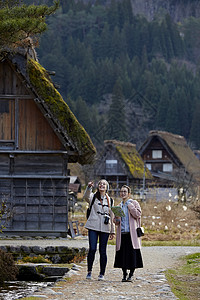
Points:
x=157, y=132
x=116, y=142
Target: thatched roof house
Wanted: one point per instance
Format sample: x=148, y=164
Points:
x=169, y=158
x=39, y=136
x=120, y=163
x=38, y=81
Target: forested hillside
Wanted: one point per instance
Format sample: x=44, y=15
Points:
x=123, y=75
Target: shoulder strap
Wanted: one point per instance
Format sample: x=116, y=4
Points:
x=93, y=199
x=109, y=202
x=111, y=199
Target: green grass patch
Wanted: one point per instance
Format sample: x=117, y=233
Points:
x=184, y=280
x=165, y=243
x=171, y=243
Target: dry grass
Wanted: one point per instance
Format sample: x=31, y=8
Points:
x=166, y=221
x=163, y=221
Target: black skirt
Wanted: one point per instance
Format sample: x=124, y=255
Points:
x=127, y=257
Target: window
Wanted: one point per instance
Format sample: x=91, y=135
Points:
x=148, y=166
x=111, y=166
x=167, y=167
x=157, y=154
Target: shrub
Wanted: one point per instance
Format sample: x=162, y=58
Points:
x=36, y=259
x=8, y=269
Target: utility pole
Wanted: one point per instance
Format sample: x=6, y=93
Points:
x=143, y=183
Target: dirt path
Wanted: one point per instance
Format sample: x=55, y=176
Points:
x=149, y=282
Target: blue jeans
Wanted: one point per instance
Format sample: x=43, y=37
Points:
x=103, y=240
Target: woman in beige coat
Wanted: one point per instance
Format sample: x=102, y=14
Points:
x=128, y=245
x=99, y=224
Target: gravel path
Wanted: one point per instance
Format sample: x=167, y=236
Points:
x=149, y=282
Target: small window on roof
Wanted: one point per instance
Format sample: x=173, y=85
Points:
x=157, y=154
x=111, y=166
x=167, y=167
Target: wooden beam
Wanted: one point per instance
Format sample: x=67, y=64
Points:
x=16, y=96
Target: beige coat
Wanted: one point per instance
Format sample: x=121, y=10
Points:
x=97, y=214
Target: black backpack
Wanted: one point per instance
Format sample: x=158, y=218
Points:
x=90, y=207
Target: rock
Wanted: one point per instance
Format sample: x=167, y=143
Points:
x=25, y=249
x=29, y=273
x=55, y=271
x=38, y=250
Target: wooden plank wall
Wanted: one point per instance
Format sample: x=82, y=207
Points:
x=36, y=204
x=7, y=119
x=10, y=82
x=32, y=164
x=35, y=133
x=34, y=184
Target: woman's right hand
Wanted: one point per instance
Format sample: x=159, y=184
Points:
x=116, y=220
x=90, y=184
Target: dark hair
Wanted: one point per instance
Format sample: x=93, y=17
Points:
x=127, y=187
x=98, y=195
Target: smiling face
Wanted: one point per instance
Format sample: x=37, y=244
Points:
x=102, y=186
x=124, y=193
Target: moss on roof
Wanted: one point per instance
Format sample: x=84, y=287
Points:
x=43, y=86
x=131, y=158
x=182, y=151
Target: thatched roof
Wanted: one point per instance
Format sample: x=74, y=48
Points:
x=129, y=155
x=71, y=133
x=181, y=153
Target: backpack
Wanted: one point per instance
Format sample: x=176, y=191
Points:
x=89, y=208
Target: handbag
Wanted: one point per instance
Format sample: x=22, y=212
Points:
x=140, y=231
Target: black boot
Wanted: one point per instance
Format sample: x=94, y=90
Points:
x=124, y=275
x=130, y=276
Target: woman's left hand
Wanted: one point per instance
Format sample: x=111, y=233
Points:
x=111, y=237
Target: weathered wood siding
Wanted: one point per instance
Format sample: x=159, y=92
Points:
x=18, y=164
x=157, y=163
x=7, y=120
x=33, y=162
x=101, y=165
x=10, y=81
x=36, y=205
x=21, y=115
x=35, y=133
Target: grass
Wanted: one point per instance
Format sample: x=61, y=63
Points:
x=195, y=243
x=171, y=243
x=184, y=280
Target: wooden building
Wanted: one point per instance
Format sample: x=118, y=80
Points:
x=39, y=136
x=170, y=160
x=120, y=163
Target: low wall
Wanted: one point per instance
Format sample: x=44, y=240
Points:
x=56, y=255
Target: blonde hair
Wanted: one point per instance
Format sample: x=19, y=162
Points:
x=106, y=184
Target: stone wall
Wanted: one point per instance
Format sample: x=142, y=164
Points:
x=56, y=255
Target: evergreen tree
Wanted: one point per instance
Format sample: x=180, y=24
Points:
x=163, y=105
x=105, y=42
x=116, y=125
x=184, y=112
x=19, y=22
x=195, y=128
x=172, y=119
x=82, y=112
